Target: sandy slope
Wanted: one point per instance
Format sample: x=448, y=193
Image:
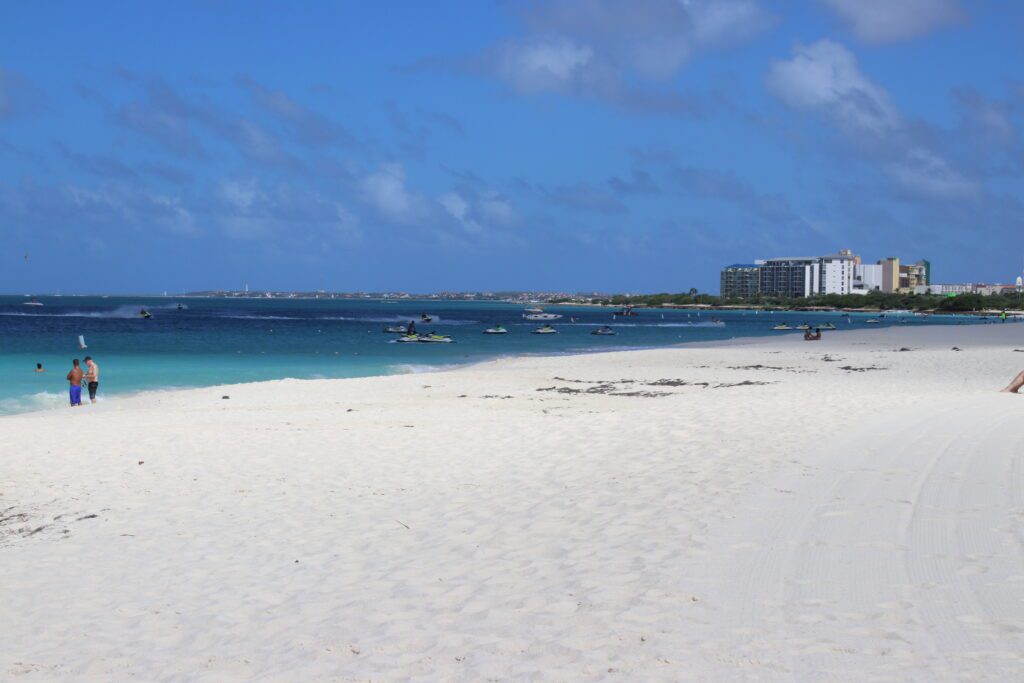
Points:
x=837, y=510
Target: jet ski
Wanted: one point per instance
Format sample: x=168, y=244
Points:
x=827, y=326
x=435, y=338
x=426, y=318
x=396, y=329
x=782, y=327
x=805, y=326
x=408, y=339
x=145, y=314
x=604, y=331
x=547, y=329
x=180, y=307
x=498, y=329
x=871, y=321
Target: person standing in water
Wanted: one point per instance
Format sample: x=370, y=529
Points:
x=92, y=377
x=39, y=367
x=75, y=384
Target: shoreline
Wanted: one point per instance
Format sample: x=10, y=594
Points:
x=932, y=334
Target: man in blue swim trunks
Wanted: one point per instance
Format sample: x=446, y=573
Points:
x=75, y=382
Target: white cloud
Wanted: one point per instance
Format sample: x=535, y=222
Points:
x=543, y=65
x=925, y=173
x=884, y=21
x=385, y=190
x=600, y=49
x=825, y=77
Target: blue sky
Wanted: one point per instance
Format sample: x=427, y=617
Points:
x=564, y=145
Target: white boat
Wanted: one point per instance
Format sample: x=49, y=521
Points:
x=547, y=329
x=534, y=310
x=782, y=327
x=496, y=330
x=871, y=321
x=604, y=331
x=542, y=316
x=32, y=302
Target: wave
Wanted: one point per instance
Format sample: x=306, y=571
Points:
x=44, y=400
x=119, y=313
x=263, y=317
x=398, y=319
x=416, y=368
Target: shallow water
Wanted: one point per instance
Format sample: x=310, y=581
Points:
x=218, y=341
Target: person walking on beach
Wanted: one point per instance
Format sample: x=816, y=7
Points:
x=92, y=377
x=75, y=384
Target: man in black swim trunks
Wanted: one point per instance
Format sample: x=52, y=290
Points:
x=92, y=377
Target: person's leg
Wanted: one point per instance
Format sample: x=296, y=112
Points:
x=1014, y=386
x=93, y=387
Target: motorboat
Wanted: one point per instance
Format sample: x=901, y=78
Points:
x=782, y=327
x=625, y=312
x=805, y=326
x=604, y=331
x=498, y=329
x=546, y=329
x=145, y=314
x=32, y=302
x=542, y=316
x=533, y=310
x=872, y=321
x=396, y=329
x=426, y=318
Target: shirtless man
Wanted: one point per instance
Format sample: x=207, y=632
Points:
x=75, y=382
x=92, y=377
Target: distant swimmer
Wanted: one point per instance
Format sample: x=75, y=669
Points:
x=75, y=384
x=1014, y=386
x=39, y=367
x=92, y=378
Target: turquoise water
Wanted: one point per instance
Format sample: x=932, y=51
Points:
x=218, y=341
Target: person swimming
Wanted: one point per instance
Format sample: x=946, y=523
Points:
x=39, y=367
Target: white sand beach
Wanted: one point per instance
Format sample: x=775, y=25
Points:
x=772, y=509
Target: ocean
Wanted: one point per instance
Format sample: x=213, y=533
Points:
x=211, y=341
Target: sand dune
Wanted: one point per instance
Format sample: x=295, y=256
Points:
x=765, y=510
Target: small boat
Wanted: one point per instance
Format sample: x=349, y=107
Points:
x=542, y=316
x=805, y=326
x=546, y=329
x=604, y=331
x=426, y=318
x=871, y=321
x=625, y=312
x=180, y=307
x=145, y=314
x=496, y=330
x=782, y=327
x=533, y=310
x=396, y=329
x=33, y=302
